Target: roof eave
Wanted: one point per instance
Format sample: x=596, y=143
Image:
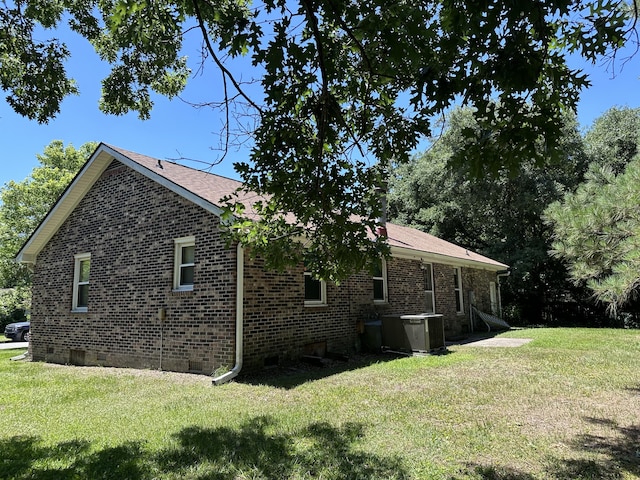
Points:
x=80, y=186
x=430, y=257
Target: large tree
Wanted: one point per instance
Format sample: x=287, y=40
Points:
x=345, y=87
x=498, y=214
x=597, y=227
x=24, y=204
x=614, y=138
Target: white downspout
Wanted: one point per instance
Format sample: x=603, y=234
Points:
x=239, y=320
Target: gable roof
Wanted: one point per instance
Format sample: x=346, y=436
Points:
x=206, y=190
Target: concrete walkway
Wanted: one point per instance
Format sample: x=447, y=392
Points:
x=499, y=342
x=489, y=340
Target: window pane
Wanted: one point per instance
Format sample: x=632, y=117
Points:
x=84, y=270
x=83, y=295
x=377, y=269
x=188, y=254
x=312, y=288
x=456, y=281
x=428, y=279
x=378, y=290
x=429, y=307
x=458, y=304
x=186, y=275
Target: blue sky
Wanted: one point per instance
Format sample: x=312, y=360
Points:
x=178, y=130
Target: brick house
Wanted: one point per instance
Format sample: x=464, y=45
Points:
x=130, y=270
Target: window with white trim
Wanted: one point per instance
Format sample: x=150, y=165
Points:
x=82, y=264
x=184, y=263
x=457, y=287
x=430, y=306
x=315, y=291
x=380, y=281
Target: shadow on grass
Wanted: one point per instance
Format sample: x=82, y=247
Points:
x=256, y=449
x=26, y=457
x=495, y=473
x=616, y=455
x=566, y=469
x=295, y=375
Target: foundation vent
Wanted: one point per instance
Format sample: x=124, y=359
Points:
x=76, y=357
x=195, y=366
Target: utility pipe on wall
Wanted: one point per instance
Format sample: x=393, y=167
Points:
x=162, y=314
x=219, y=380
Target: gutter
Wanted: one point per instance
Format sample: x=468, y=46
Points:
x=430, y=257
x=224, y=378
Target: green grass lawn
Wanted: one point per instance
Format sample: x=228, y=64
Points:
x=565, y=406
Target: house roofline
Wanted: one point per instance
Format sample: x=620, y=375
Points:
x=88, y=175
x=104, y=155
x=183, y=192
x=411, y=254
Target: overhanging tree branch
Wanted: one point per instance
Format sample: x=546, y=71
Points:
x=225, y=71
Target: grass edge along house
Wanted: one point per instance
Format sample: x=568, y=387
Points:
x=130, y=270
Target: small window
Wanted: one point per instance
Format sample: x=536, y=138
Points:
x=428, y=288
x=184, y=263
x=380, y=281
x=81, y=269
x=457, y=286
x=315, y=291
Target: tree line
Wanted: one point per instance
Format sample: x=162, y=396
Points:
x=23, y=205
x=336, y=92
x=340, y=92
x=568, y=227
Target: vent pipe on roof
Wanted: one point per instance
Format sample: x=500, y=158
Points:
x=219, y=380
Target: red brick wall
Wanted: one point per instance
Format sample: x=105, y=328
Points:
x=128, y=224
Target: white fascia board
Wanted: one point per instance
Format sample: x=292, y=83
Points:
x=63, y=207
x=407, y=253
x=78, y=188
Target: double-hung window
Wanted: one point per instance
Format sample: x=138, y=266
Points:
x=82, y=264
x=315, y=291
x=184, y=263
x=380, y=281
x=457, y=287
x=428, y=288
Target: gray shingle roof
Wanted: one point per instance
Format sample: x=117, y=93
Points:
x=212, y=188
